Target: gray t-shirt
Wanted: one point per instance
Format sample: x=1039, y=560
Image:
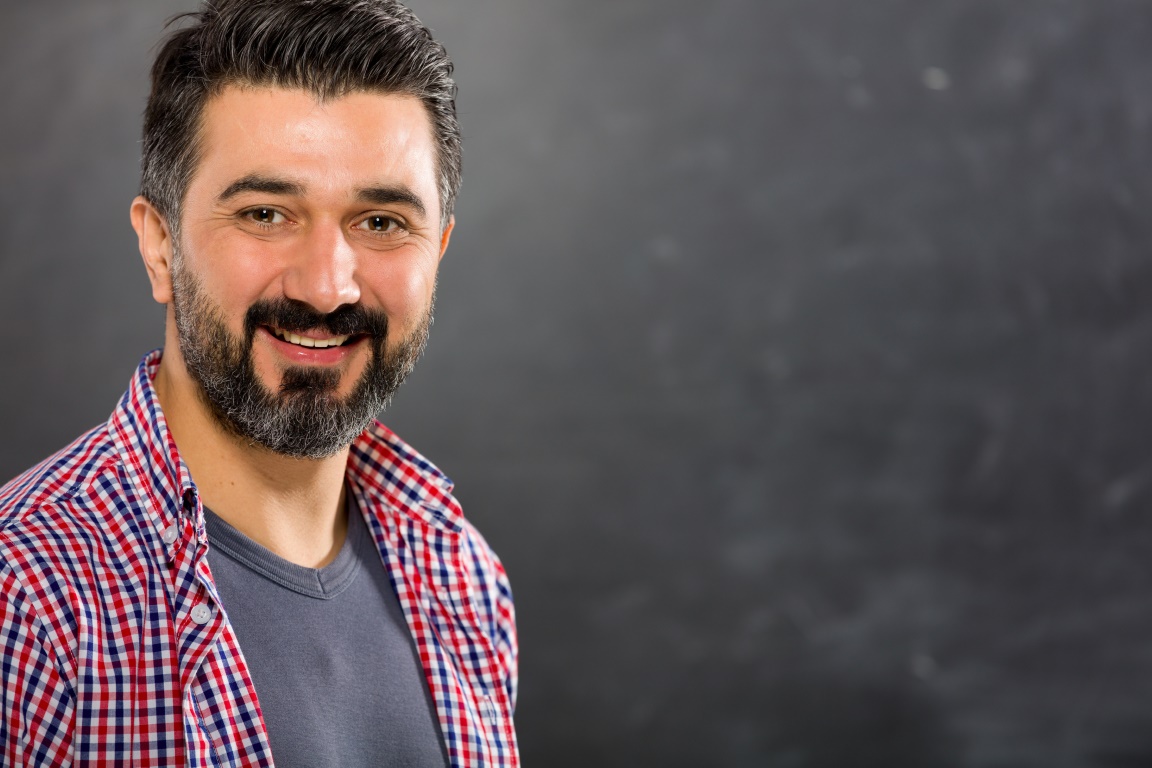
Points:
x=333, y=662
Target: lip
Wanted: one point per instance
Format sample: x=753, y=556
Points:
x=299, y=355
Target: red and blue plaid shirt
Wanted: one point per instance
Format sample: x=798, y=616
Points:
x=114, y=647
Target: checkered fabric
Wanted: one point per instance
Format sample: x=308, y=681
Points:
x=115, y=651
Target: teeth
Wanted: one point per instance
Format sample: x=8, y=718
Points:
x=302, y=341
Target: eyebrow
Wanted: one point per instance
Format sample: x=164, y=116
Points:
x=256, y=183
x=270, y=185
x=389, y=195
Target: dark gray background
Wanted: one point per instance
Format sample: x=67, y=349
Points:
x=793, y=355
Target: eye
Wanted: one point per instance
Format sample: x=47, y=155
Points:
x=265, y=216
x=380, y=225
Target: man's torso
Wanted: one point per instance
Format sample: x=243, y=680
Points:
x=114, y=647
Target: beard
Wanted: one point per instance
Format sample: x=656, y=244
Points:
x=306, y=417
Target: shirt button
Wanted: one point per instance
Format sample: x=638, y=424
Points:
x=169, y=534
x=201, y=614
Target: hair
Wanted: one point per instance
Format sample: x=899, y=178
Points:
x=328, y=47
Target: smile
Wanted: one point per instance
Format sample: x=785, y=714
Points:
x=304, y=341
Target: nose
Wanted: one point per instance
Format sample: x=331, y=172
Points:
x=322, y=272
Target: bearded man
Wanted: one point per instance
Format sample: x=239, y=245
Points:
x=242, y=562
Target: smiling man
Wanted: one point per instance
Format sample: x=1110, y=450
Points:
x=242, y=563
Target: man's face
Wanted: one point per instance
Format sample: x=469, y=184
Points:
x=304, y=271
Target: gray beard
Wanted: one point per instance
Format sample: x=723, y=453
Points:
x=306, y=418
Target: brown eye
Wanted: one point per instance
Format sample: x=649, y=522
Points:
x=265, y=216
x=379, y=224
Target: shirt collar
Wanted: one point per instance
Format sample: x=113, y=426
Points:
x=381, y=467
x=389, y=471
x=153, y=466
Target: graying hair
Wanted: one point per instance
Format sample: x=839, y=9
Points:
x=328, y=47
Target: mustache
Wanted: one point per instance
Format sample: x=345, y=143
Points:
x=296, y=316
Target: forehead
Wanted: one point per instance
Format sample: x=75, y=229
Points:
x=329, y=146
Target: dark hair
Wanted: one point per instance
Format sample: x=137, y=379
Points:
x=329, y=47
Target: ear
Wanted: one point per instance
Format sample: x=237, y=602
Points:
x=155, y=247
x=446, y=235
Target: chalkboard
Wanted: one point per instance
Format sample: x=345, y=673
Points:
x=793, y=355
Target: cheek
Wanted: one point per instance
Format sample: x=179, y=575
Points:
x=234, y=273
x=403, y=292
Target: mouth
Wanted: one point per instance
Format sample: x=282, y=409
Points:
x=312, y=342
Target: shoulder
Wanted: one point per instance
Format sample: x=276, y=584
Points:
x=64, y=480
x=60, y=522
x=495, y=589
x=486, y=565
x=414, y=487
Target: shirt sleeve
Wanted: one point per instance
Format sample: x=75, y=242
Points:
x=500, y=614
x=36, y=701
x=506, y=643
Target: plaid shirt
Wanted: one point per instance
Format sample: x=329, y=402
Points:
x=115, y=650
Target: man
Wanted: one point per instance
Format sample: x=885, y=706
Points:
x=242, y=564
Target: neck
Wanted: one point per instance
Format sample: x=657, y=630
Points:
x=293, y=507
